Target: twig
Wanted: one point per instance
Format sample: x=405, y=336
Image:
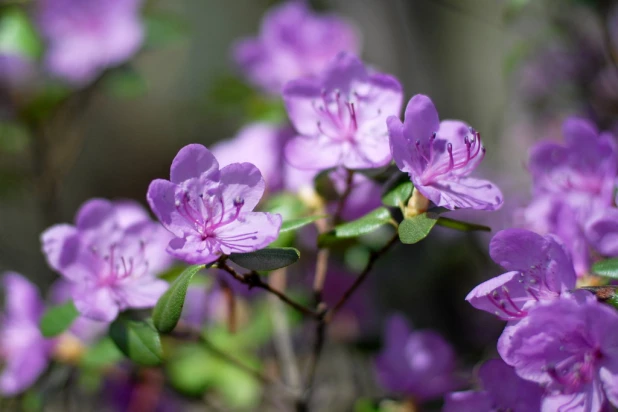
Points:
x=253, y=280
x=360, y=279
x=344, y=196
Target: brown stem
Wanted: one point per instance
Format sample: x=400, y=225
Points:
x=253, y=280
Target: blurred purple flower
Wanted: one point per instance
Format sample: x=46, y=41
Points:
x=539, y=269
x=364, y=197
x=86, y=37
x=583, y=169
x=340, y=116
x=570, y=347
x=111, y=255
x=419, y=364
x=439, y=156
x=293, y=42
x=83, y=328
x=23, y=349
x=208, y=210
x=502, y=390
x=15, y=70
x=203, y=303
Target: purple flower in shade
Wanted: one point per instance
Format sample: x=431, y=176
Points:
x=340, y=116
x=582, y=170
x=439, y=156
x=418, y=364
x=111, y=256
x=208, y=210
x=539, y=269
x=16, y=70
x=364, y=196
x=203, y=303
x=86, y=37
x=293, y=42
x=23, y=349
x=502, y=390
x=601, y=231
x=570, y=347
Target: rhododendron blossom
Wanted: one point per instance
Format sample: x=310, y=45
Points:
x=210, y=211
x=439, y=157
x=111, y=256
x=340, y=116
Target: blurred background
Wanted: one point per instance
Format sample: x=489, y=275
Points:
x=513, y=69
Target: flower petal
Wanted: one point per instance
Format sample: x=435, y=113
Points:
x=193, y=160
x=421, y=119
x=241, y=181
x=468, y=401
x=23, y=368
x=313, y=153
x=250, y=232
x=140, y=293
x=302, y=98
x=94, y=213
x=463, y=193
x=503, y=296
x=602, y=232
x=96, y=303
x=193, y=250
x=22, y=298
x=60, y=245
x=400, y=148
x=162, y=201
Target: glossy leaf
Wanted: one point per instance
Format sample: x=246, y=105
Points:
x=138, y=340
x=57, y=319
x=168, y=309
x=361, y=226
x=415, y=229
x=462, y=226
x=266, y=259
x=399, y=193
x=295, y=224
x=607, y=268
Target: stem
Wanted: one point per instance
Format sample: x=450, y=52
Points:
x=360, y=279
x=344, y=197
x=253, y=280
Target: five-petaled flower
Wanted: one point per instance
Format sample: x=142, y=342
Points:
x=24, y=351
x=210, y=211
x=293, y=42
x=111, y=255
x=439, y=156
x=570, y=347
x=340, y=116
x=86, y=37
x=539, y=269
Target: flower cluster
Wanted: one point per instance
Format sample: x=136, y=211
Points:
x=573, y=188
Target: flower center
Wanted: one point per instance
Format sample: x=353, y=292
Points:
x=121, y=263
x=575, y=371
x=207, y=212
x=338, y=116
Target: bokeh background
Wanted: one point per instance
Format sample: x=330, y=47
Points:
x=511, y=68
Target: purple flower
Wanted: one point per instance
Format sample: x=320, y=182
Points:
x=203, y=303
x=502, y=390
x=539, y=269
x=439, y=156
x=419, y=364
x=364, y=195
x=340, y=116
x=293, y=42
x=23, y=349
x=583, y=169
x=111, y=255
x=570, y=347
x=601, y=231
x=208, y=210
x=86, y=37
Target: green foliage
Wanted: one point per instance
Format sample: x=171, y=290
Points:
x=18, y=35
x=163, y=29
x=290, y=207
x=324, y=186
x=100, y=355
x=416, y=228
x=295, y=224
x=168, y=309
x=462, y=226
x=138, y=340
x=125, y=83
x=398, y=193
x=361, y=226
x=606, y=268
x=57, y=319
x=266, y=259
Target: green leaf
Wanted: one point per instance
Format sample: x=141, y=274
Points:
x=18, y=35
x=607, y=268
x=266, y=259
x=57, y=319
x=138, y=340
x=398, y=194
x=190, y=369
x=101, y=354
x=415, y=229
x=168, y=309
x=361, y=226
x=287, y=205
x=324, y=185
x=295, y=224
x=462, y=226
